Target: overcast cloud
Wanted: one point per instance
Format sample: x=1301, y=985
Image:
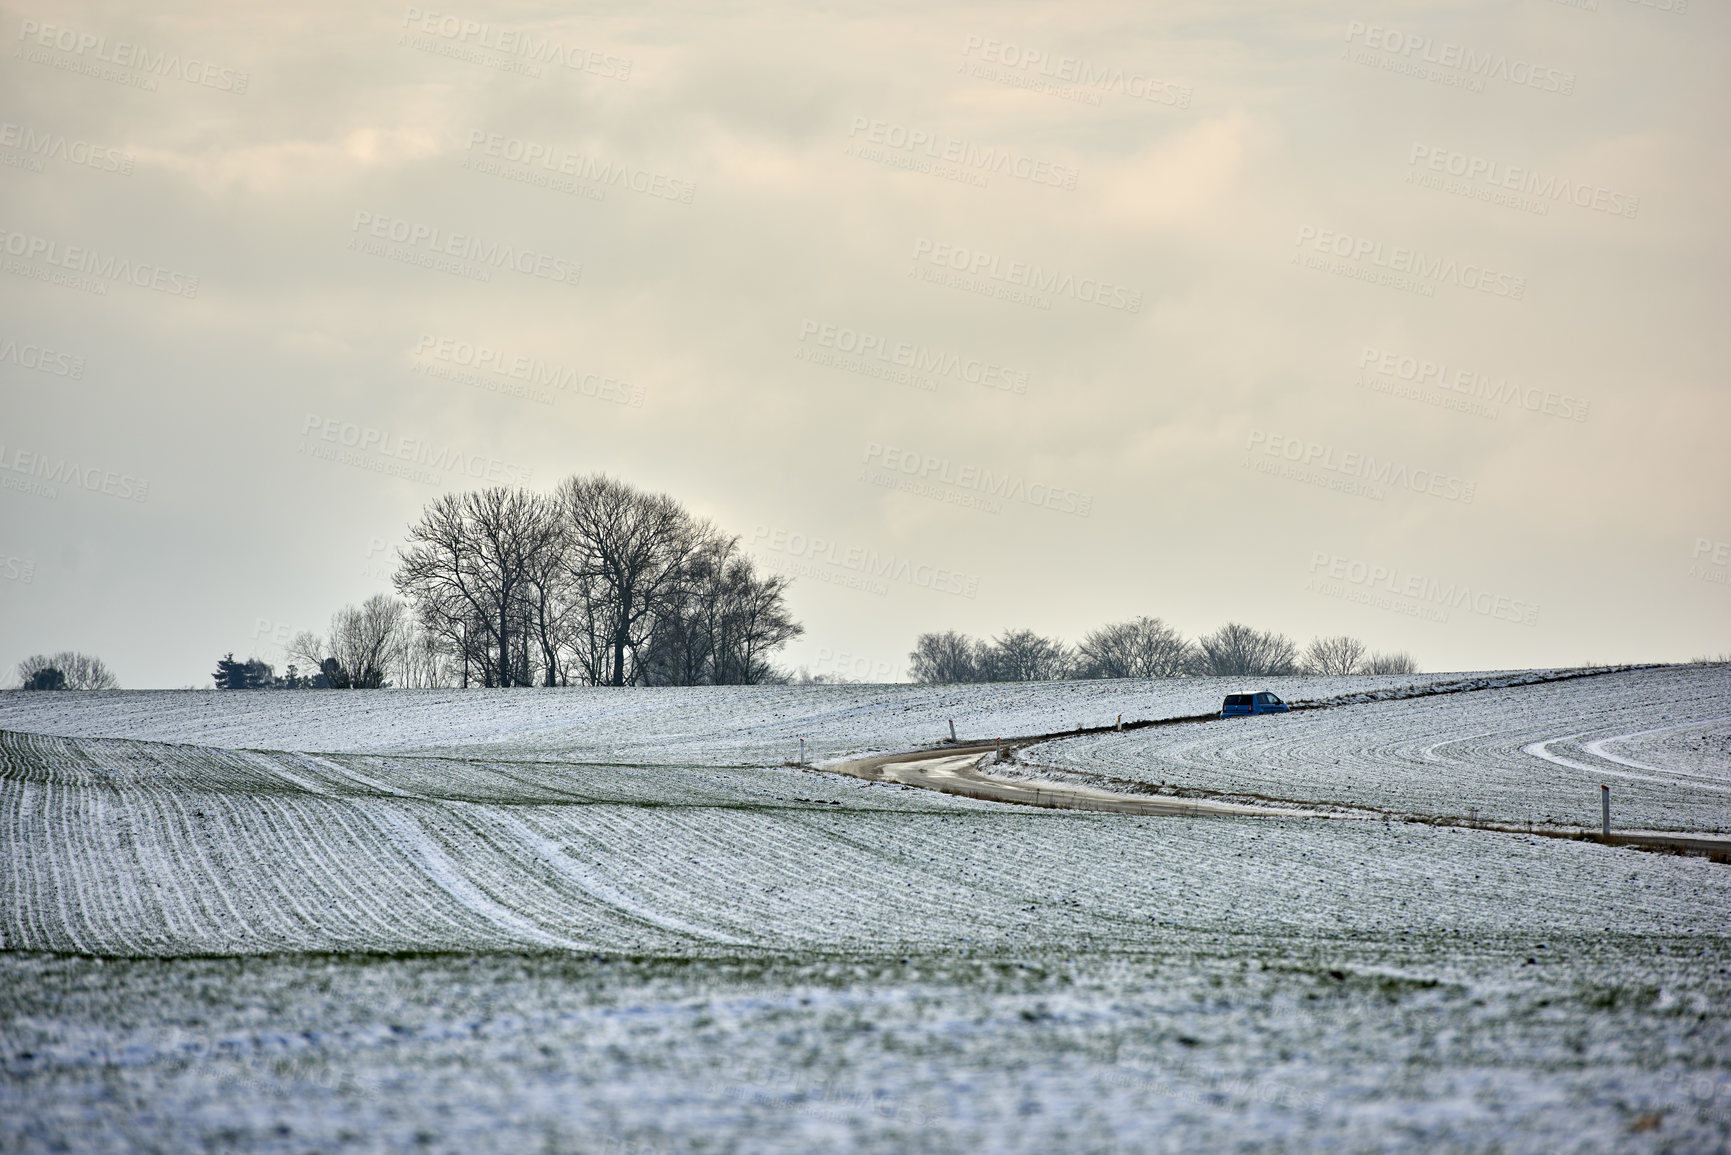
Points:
x=969, y=316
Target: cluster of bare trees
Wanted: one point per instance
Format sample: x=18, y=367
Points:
x=372, y=645
x=67, y=670
x=598, y=583
x=1142, y=648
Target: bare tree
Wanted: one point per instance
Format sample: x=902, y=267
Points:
x=1338, y=655
x=1141, y=648
x=591, y=629
x=600, y=583
x=943, y=658
x=1396, y=663
x=720, y=621
x=636, y=546
x=694, y=625
x=40, y=672
x=467, y=568
x=365, y=640
x=1236, y=650
x=425, y=659
x=757, y=609
x=67, y=670
x=550, y=595
x=306, y=650
x=1024, y=656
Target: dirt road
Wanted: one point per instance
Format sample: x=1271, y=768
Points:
x=957, y=770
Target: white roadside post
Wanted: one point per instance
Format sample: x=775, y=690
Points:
x=1605, y=810
x=1120, y=721
x=952, y=729
x=802, y=751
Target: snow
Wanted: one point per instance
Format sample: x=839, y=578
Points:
x=522, y=921
x=1513, y=754
x=700, y=725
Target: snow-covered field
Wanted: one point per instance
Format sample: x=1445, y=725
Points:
x=690, y=726
x=1661, y=739
x=612, y=921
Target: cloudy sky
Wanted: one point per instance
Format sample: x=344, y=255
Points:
x=1406, y=321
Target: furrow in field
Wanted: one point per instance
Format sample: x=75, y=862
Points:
x=21, y=920
x=65, y=864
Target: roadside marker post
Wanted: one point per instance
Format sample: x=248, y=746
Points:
x=1605, y=811
x=802, y=751
x=1120, y=721
x=952, y=729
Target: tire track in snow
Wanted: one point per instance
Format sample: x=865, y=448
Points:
x=1597, y=749
x=591, y=884
x=1541, y=750
x=449, y=877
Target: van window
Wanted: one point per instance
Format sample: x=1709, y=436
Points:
x=1238, y=699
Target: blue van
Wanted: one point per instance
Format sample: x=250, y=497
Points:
x=1262, y=702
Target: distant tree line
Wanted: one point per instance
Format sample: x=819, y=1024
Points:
x=1143, y=647
x=67, y=670
x=597, y=583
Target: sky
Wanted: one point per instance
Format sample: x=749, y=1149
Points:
x=1405, y=321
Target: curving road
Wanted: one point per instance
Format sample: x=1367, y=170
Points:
x=956, y=770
